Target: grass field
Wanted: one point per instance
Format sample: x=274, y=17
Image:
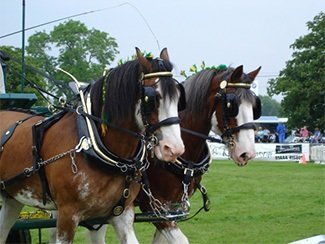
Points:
x=264, y=202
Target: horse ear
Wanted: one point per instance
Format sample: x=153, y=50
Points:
x=144, y=63
x=164, y=54
x=237, y=73
x=254, y=73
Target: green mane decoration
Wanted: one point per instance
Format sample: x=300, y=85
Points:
x=193, y=69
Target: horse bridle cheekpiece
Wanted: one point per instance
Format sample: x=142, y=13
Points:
x=149, y=101
x=230, y=108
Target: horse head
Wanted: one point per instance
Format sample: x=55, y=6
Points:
x=158, y=110
x=235, y=107
x=142, y=95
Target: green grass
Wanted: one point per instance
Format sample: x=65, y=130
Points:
x=264, y=202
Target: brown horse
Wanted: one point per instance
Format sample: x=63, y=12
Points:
x=228, y=108
x=217, y=99
x=91, y=159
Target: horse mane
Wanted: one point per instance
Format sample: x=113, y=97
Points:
x=197, y=87
x=115, y=95
x=196, y=90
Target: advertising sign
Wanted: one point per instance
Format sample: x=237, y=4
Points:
x=267, y=151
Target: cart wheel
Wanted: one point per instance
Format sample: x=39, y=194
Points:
x=19, y=236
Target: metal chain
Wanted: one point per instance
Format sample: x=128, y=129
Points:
x=30, y=170
x=185, y=198
x=56, y=157
x=155, y=204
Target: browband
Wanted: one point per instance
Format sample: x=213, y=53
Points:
x=245, y=85
x=157, y=74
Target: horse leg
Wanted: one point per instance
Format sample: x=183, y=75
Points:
x=8, y=215
x=66, y=225
x=170, y=235
x=98, y=236
x=52, y=231
x=123, y=226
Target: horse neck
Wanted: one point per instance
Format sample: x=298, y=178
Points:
x=194, y=145
x=121, y=143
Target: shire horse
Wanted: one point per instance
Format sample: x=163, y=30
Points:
x=91, y=159
x=217, y=99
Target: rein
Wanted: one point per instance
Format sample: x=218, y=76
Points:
x=203, y=136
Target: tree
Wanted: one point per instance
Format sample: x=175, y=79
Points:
x=302, y=81
x=270, y=107
x=83, y=52
x=13, y=74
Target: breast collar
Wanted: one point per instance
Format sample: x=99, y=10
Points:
x=92, y=145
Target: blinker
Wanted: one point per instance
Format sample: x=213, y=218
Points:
x=149, y=100
x=232, y=105
x=182, y=98
x=257, y=110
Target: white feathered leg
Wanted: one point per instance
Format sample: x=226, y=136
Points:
x=170, y=236
x=123, y=226
x=98, y=236
x=52, y=231
x=8, y=215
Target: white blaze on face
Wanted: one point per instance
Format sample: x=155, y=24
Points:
x=214, y=125
x=170, y=145
x=245, y=141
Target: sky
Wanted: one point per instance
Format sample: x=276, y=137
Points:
x=251, y=33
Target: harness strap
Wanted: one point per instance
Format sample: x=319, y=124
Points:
x=245, y=126
x=169, y=121
x=5, y=183
x=120, y=206
x=38, y=131
x=205, y=198
x=6, y=136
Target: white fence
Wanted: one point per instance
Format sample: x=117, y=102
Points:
x=269, y=151
x=317, y=153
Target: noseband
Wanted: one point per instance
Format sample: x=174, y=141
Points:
x=222, y=96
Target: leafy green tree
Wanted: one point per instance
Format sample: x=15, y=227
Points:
x=13, y=74
x=302, y=81
x=83, y=52
x=270, y=107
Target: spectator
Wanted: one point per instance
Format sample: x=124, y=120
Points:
x=317, y=136
x=259, y=134
x=304, y=133
x=265, y=134
x=281, y=131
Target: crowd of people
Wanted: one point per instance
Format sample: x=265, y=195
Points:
x=280, y=133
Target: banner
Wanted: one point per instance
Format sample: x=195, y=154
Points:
x=267, y=151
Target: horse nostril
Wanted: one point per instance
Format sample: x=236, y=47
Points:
x=166, y=148
x=244, y=156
